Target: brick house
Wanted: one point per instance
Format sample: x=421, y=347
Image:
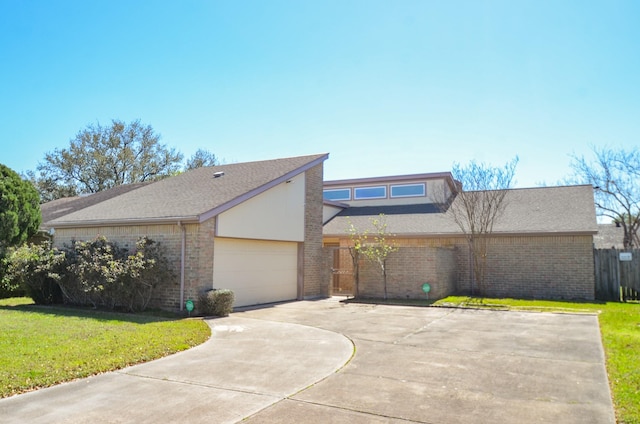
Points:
x=254, y=228
x=541, y=247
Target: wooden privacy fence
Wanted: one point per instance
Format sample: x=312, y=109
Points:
x=617, y=277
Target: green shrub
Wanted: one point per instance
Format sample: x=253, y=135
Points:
x=96, y=272
x=101, y=273
x=35, y=269
x=216, y=302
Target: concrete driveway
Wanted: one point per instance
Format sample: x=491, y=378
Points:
x=293, y=363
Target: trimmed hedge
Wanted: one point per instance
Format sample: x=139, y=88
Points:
x=217, y=302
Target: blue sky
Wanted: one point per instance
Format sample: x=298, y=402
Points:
x=385, y=87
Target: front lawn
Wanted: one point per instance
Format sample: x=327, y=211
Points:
x=42, y=346
x=620, y=328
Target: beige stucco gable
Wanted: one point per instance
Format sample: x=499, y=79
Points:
x=276, y=214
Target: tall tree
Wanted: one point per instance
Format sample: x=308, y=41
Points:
x=478, y=206
x=201, y=158
x=49, y=188
x=615, y=176
x=102, y=157
x=20, y=215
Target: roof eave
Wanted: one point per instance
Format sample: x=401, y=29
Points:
x=121, y=222
x=391, y=178
x=495, y=234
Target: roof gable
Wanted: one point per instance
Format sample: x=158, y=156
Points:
x=194, y=196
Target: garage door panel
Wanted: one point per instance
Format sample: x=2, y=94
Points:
x=257, y=271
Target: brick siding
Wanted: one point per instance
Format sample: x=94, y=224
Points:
x=198, y=254
x=315, y=281
x=545, y=267
x=550, y=267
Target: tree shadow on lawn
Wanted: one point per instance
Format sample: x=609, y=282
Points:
x=523, y=304
x=97, y=314
x=390, y=302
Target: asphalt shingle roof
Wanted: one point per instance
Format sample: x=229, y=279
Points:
x=191, y=195
x=548, y=210
x=67, y=205
x=609, y=236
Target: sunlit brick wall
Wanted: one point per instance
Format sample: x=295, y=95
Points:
x=315, y=278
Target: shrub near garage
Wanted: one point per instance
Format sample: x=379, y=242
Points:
x=216, y=302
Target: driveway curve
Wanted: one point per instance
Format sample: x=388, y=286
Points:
x=246, y=366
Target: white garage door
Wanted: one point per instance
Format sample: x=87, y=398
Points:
x=257, y=271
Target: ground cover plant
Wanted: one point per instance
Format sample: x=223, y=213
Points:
x=620, y=329
x=43, y=345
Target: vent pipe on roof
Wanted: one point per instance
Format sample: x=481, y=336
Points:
x=218, y=174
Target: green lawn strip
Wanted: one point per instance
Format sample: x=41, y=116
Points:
x=620, y=328
x=43, y=346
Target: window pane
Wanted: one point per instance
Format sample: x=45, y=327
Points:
x=340, y=194
x=370, y=192
x=407, y=190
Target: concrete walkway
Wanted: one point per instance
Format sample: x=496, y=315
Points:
x=427, y=365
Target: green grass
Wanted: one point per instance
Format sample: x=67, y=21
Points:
x=620, y=328
x=42, y=346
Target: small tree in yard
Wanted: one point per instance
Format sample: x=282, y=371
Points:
x=378, y=252
x=477, y=207
x=358, y=240
x=374, y=246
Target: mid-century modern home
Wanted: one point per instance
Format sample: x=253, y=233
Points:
x=274, y=231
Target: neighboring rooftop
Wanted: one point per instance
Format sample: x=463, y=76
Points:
x=609, y=236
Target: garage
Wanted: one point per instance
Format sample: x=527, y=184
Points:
x=257, y=271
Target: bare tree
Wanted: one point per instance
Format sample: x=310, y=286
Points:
x=477, y=207
x=615, y=176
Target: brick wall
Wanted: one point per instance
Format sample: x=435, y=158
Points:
x=198, y=254
x=408, y=269
x=549, y=267
x=315, y=281
x=553, y=267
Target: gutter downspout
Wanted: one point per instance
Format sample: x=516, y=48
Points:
x=182, y=259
